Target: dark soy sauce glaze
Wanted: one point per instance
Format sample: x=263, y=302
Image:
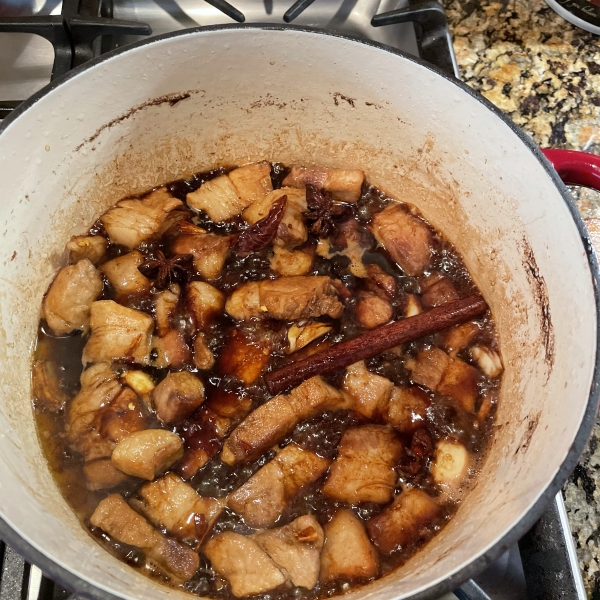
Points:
x=321, y=434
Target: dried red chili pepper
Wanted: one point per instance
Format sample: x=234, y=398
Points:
x=263, y=232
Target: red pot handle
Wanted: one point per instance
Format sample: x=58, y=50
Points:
x=575, y=168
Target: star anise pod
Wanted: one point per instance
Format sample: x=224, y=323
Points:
x=165, y=271
x=263, y=232
x=321, y=211
x=420, y=449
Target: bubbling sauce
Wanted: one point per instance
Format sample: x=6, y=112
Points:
x=440, y=425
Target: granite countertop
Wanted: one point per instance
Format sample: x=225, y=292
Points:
x=545, y=74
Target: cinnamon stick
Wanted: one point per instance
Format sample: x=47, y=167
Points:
x=375, y=341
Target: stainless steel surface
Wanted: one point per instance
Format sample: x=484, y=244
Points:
x=26, y=60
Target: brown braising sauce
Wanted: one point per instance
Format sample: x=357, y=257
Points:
x=445, y=417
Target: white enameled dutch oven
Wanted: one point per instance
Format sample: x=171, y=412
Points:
x=185, y=102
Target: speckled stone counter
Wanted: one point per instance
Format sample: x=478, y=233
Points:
x=545, y=74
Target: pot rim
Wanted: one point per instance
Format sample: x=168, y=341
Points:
x=524, y=524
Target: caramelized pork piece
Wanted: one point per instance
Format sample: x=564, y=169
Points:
x=372, y=310
x=123, y=274
x=243, y=563
x=404, y=522
x=209, y=250
x=343, y=184
x=102, y=413
x=92, y=247
x=171, y=350
x=67, y=303
x=379, y=282
x=46, y=385
x=292, y=229
x=447, y=375
x=177, y=396
x=450, y=465
x=131, y=222
x=407, y=409
x=264, y=497
x=114, y=516
x=252, y=182
x=118, y=333
x=437, y=289
x=347, y=552
x=363, y=470
x=101, y=474
x=370, y=392
x=301, y=334
x=244, y=358
x=487, y=360
x=204, y=359
x=204, y=302
x=172, y=504
x=291, y=262
x=459, y=337
x=218, y=198
x=273, y=420
x=164, y=308
x=296, y=549
x=286, y=299
x=407, y=238
x=147, y=453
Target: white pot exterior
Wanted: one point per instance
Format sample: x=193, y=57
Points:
x=302, y=97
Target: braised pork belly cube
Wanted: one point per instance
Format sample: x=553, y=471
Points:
x=131, y=222
x=177, y=396
x=92, y=247
x=204, y=359
x=372, y=310
x=102, y=413
x=209, y=250
x=301, y=334
x=292, y=229
x=407, y=409
x=243, y=358
x=407, y=238
x=437, y=289
x=265, y=496
x=363, y=470
x=123, y=274
x=146, y=454
x=101, y=474
x=171, y=350
x=487, y=360
x=286, y=299
x=459, y=337
x=118, y=333
x=403, y=522
x=273, y=420
x=218, y=198
x=343, y=184
x=204, y=302
x=172, y=504
x=450, y=465
x=46, y=385
x=243, y=563
x=291, y=262
x=371, y=392
x=252, y=182
x=296, y=549
x=347, y=552
x=67, y=303
x=447, y=375
x=164, y=309
x=114, y=516
x=379, y=281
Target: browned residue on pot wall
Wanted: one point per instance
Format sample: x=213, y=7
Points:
x=540, y=291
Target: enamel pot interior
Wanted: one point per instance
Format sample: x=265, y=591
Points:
x=188, y=102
